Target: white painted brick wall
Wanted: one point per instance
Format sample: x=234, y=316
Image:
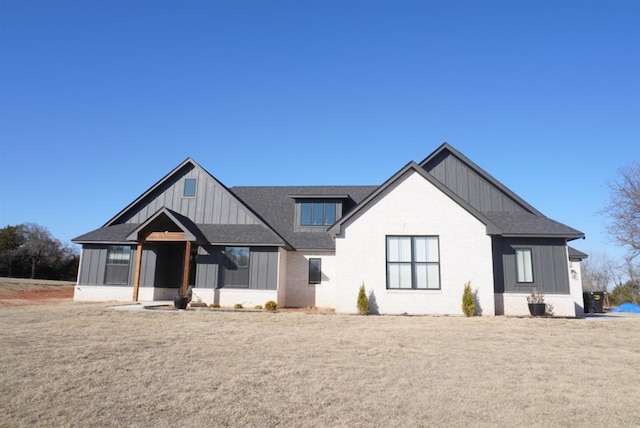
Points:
x=298, y=290
x=415, y=207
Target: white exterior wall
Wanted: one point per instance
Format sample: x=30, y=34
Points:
x=562, y=305
x=575, y=285
x=102, y=293
x=114, y=293
x=415, y=207
x=282, y=277
x=227, y=297
x=298, y=290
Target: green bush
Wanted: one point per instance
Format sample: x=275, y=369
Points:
x=237, y=306
x=257, y=307
x=363, y=301
x=468, y=305
x=271, y=305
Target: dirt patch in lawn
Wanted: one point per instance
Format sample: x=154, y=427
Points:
x=18, y=291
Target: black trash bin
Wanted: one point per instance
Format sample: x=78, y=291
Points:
x=593, y=302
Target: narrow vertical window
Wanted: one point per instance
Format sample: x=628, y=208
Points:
x=315, y=271
x=305, y=214
x=524, y=265
x=329, y=213
x=189, y=187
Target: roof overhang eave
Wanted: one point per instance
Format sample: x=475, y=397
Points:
x=541, y=235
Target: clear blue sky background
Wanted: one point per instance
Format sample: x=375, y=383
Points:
x=100, y=99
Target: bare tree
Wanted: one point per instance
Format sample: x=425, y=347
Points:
x=39, y=245
x=624, y=209
x=599, y=272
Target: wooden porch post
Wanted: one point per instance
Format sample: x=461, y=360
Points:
x=136, y=275
x=185, y=269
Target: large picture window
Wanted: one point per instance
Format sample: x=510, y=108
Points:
x=117, y=268
x=413, y=262
x=524, y=265
x=318, y=213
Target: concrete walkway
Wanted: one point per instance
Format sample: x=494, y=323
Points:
x=142, y=305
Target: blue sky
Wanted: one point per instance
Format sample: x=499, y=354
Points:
x=100, y=99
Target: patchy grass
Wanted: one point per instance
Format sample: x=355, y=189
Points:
x=19, y=291
x=90, y=365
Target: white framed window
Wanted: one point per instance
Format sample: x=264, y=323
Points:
x=524, y=265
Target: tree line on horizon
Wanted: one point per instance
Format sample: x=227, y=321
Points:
x=29, y=250
x=620, y=280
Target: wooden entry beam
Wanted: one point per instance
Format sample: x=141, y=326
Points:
x=136, y=275
x=166, y=236
x=185, y=269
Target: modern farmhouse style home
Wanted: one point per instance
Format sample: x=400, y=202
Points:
x=414, y=241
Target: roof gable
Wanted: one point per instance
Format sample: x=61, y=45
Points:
x=473, y=184
x=167, y=221
x=393, y=181
x=515, y=218
x=212, y=203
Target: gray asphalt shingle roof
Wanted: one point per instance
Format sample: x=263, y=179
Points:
x=531, y=225
x=237, y=234
x=276, y=206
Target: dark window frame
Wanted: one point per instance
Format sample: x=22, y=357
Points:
x=190, y=186
x=117, y=265
x=413, y=263
x=315, y=270
x=236, y=269
x=318, y=213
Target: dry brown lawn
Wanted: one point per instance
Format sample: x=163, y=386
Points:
x=88, y=365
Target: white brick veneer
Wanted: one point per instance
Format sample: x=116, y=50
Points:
x=414, y=207
x=299, y=293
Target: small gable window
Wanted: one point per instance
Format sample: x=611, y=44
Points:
x=317, y=213
x=524, y=265
x=315, y=271
x=189, y=187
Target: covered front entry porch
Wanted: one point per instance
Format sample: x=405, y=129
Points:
x=165, y=258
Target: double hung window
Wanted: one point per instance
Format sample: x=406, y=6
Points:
x=117, y=268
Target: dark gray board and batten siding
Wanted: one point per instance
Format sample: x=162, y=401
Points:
x=550, y=265
x=212, y=203
x=93, y=266
x=263, y=268
x=471, y=186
